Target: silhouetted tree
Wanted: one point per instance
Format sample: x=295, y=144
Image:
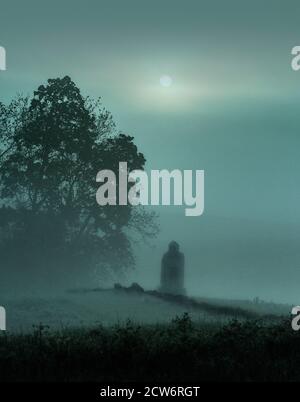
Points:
x=53, y=145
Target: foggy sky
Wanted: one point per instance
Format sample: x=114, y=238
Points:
x=233, y=111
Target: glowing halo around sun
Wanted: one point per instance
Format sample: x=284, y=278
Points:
x=163, y=92
x=165, y=81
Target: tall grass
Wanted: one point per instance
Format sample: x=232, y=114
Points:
x=180, y=351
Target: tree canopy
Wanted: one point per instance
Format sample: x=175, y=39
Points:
x=52, y=146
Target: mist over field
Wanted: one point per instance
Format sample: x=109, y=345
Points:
x=232, y=110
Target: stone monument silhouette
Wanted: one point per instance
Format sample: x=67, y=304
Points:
x=172, y=271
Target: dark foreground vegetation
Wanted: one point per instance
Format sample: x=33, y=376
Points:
x=179, y=351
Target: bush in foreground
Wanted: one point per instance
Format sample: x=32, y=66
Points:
x=180, y=351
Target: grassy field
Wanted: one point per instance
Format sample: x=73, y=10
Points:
x=116, y=336
x=85, y=308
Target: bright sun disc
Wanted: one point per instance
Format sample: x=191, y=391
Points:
x=165, y=81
